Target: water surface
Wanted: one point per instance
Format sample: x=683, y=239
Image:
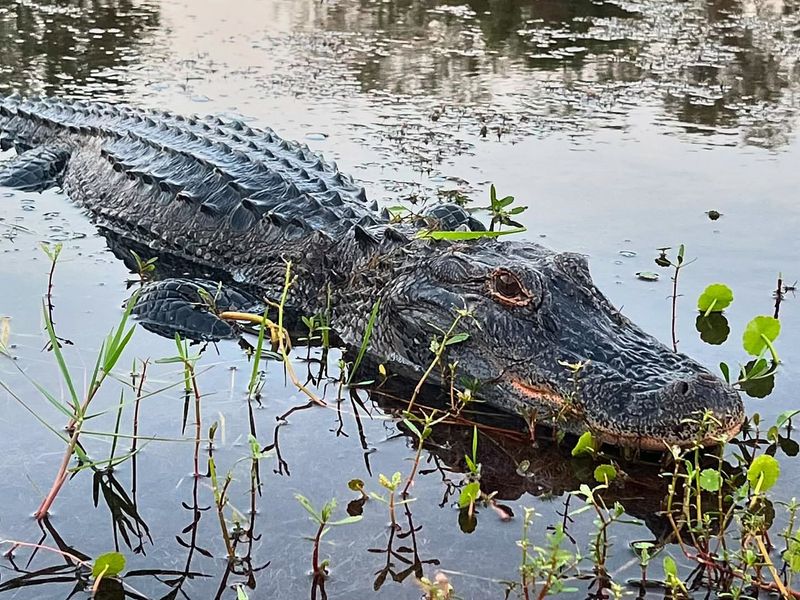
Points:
x=618, y=123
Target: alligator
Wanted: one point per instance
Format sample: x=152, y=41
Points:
x=237, y=202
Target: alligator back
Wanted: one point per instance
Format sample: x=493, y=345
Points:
x=200, y=187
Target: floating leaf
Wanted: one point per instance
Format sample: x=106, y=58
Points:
x=647, y=275
x=109, y=564
x=710, y=480
x=758, y=331
x=357, y=485
x=585, y=445
x=605, y=474
x=715, y=298
x=764, y=470
x=5, y=333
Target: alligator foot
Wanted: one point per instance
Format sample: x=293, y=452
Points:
x=191, y=308
x=35, y=170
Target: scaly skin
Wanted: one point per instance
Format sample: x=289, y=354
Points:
x=237, y=202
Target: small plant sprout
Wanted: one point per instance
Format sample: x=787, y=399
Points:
x=542, y=568
x=391, y=485
x=357, y=485
x=438, y=589
x=501, y=210
x=471, y=492
x=144, y=268
x=672, y=579
x=322, y=518
x=439, y=346
x=662, y=260
x=501, y=214
x=427, y=423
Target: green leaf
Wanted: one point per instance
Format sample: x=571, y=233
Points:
x=586, y=445
x=365, y=342
x=465, y=235
x=763, y=472
x=517, y=210
x=726, y=371
x=397, y=210
x=307, y=505
x=503, y=202
x=715, y=298
x=109, y=564
x=456, y=339
x=240, y=593
x=758, y=331
x=469, y=494
x=784, y=417
x=605, y=473
x=347, y=520
x=792, y=554
x=670, y=567
x=356, y=485
x=710, y=480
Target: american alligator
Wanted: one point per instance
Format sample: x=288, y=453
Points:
x=221, y=196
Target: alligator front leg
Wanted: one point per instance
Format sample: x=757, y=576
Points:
x=35, y=170
x=191, y=308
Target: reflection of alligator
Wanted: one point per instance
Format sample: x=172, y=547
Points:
x=511, y=467
x=218, y=195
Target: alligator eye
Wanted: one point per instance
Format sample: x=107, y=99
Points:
x=506, y=288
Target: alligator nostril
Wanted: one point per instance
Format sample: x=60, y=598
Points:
x=683, y=388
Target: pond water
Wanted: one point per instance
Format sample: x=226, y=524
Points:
x=619, y=123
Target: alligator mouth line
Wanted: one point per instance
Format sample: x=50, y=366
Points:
x=656, y=444
x=541, y=393
x=544, y=394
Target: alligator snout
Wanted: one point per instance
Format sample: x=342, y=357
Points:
x=697, y=408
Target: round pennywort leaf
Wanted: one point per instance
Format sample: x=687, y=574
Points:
x=757, y=330
x=764, y=469
x=109, y=564
x=715, y=298
x=605, y=474
x=585, y=445
x=710, y=480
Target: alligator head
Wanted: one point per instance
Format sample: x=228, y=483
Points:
x=535, y=311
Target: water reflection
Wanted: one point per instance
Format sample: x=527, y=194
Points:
x=519, y=67
x=714, y=64
x=81, y=47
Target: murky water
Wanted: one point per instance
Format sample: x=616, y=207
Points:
x=618, y=123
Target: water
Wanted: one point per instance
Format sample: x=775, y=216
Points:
x=619, y=123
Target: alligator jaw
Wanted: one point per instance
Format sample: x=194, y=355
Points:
x=721, y=426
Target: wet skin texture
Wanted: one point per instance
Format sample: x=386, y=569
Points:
x=233, y=203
